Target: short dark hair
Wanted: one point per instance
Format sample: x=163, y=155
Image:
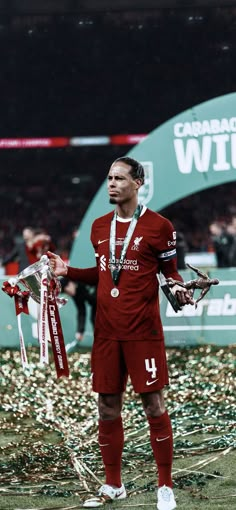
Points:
x=137, y=170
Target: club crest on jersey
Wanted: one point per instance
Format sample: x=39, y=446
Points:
x=136, y=243
x=146, y=191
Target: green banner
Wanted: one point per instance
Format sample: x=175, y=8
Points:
x=191, y=152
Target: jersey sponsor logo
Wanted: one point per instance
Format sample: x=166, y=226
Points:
x=128, y=265
x=172, y=243
x=136, y=244
x=103, y=261
x=103, y=241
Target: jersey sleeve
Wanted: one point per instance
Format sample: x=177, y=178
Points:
x=167, y=245
x=167, y=255
x=93, y=236
x=88, y=275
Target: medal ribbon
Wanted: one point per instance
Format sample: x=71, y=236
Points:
x=116, y=268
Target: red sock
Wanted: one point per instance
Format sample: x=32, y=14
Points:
x=162, y=446
x=111, y=442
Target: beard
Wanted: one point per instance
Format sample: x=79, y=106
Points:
x=112, y=200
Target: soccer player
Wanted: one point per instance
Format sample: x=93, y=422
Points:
x=132, y=245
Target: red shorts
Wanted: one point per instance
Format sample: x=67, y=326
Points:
x=144, y=361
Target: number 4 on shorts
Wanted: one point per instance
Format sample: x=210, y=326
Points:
x=151, y=367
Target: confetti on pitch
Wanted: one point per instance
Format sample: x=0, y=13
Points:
x=49, y=425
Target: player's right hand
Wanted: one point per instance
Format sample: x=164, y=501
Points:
x=57, y=265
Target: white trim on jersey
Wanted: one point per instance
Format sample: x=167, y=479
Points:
x=126, y=220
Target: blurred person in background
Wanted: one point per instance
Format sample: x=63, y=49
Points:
x=29, y=247
x=132, y=244
x=82, y=296
x=222, y=241
x=231, y=231
x=23, y=251
x=42, y=242
x=181, y=249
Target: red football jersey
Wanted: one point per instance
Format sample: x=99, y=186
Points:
x=134, y=314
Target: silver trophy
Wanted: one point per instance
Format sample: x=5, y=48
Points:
x=43, y=288
x=31, y=278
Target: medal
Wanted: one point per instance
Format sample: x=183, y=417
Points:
x=115, y=292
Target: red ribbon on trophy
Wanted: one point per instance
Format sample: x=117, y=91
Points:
x=56, y=334
x=21, y=305
x=44, y=288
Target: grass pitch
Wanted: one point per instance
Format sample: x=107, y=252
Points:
x=48, y=445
